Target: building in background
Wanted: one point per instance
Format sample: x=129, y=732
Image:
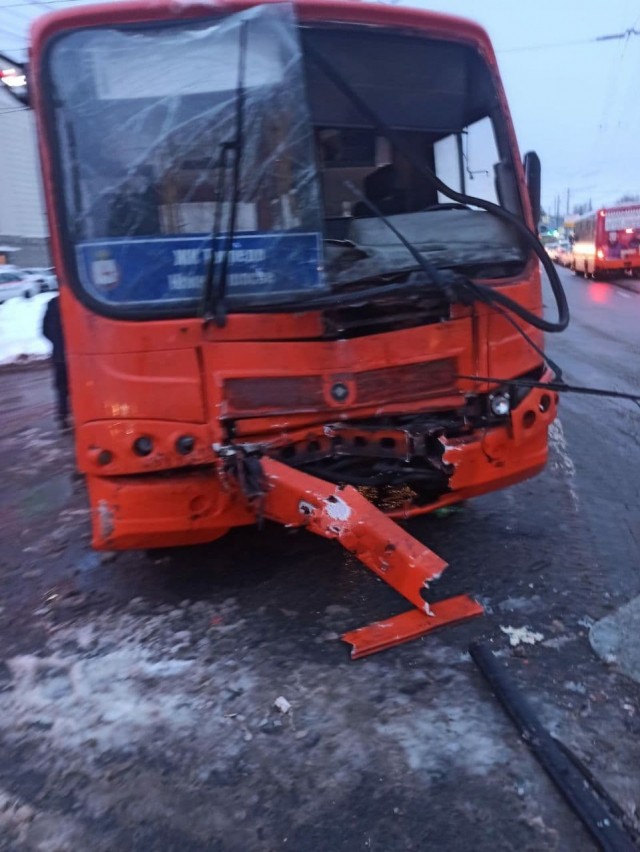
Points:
x=23, y=223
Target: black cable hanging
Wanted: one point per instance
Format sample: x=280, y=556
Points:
x=528, y=236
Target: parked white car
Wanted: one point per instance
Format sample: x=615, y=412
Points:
x=45, y=278
x=552, y=250
x=15, y=284
x=564, y=253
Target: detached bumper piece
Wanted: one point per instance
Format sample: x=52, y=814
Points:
x=409, y=625
x=294, y=498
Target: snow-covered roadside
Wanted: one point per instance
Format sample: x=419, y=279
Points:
x=20, y=324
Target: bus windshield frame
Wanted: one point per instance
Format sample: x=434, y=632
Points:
x=465, y=92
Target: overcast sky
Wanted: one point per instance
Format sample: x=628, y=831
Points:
x=577, y=105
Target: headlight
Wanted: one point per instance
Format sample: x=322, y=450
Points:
x=500, y=404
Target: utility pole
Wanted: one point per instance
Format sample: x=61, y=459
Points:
x=568, y=198
x=557, y=219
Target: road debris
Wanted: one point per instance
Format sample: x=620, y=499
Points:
x=521, y=636
x=410, y=625
x=344, y=514
x=282, y=704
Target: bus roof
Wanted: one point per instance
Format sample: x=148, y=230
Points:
x=334, y=11
x=614, y=208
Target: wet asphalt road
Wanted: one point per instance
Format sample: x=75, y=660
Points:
x=136, y=695
x=602, y=349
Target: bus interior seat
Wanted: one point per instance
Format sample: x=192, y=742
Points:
x=382, y=189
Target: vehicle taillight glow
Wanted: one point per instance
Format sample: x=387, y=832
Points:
x=600, y=254
x=10, y=78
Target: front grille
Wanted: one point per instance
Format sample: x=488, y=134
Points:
x=408, y=381
x=290, y=394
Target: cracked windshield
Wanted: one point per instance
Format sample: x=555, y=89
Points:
x=207, y=158
x=182, y=142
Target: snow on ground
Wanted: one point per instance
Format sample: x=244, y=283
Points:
x=20, y=324
x=116, y=680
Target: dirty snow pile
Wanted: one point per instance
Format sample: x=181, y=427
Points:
x=20, y=324
x=117, y=700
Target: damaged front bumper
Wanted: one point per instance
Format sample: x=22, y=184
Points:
x=192, y=505
x=247, y=484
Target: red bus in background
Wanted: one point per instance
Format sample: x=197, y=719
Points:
x=607, y=242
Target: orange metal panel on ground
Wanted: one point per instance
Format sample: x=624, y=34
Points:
x=410, y=625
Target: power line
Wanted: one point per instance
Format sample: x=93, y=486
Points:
x=547, y=46
x=5, y=32
x=37, y=3
x=626, y=34
x=632, y=31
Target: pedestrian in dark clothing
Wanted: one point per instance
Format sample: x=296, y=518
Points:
x=52, y=330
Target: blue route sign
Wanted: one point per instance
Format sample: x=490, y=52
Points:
x=160, y=269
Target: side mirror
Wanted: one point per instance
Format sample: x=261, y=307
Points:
x=13, y=79
x=533, y=176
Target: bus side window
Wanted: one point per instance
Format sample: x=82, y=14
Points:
x=447, y=160
x=469, y=161
x=480, y=154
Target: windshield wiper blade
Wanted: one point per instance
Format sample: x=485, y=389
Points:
x=219, y=195
x=219, y=310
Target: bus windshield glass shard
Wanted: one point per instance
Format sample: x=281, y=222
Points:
x=144, y=115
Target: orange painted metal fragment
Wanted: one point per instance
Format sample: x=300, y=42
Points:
x=410, y=625
x=295, y=498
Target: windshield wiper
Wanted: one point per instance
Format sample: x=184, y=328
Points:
x=216, y=286
x=219, y=194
